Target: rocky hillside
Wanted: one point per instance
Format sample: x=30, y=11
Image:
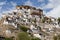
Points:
x=30, y=20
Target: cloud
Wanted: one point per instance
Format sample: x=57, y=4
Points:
x=2, y=3
x=55, y=6
x=55, y=3
x=48, y=6
x=55, y=12
x=13, y=3
x=28, y=3
x=41, y=0
x=10, y=6
x=0, y=7
x=8, y=11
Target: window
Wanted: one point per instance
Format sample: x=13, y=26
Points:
x=14, y=13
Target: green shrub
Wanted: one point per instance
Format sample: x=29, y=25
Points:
x=58, y=20
x=23, y=28
x=56, y=37
x=35, y=39
x=8, y=39
x=43, y=21
x=23, y=36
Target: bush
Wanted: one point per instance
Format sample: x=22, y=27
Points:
x=43, y=21
x=35, y=39
x=58, y=20
x=23, y=36
x=8, y=39
x=55, y=37
x=23, y=28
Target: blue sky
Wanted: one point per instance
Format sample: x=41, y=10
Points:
x=50, y=7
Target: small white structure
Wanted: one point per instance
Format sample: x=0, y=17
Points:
x=29, y=11
x=15, y=10
x=57, y=26
x=31, y=27
x=37, y=35
x=15, y=25
x=5, y=22
x=9, y=19
x=8, y=33
x=24, y=16
x=3, y=16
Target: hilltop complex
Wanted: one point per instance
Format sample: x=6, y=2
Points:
x=39, y=25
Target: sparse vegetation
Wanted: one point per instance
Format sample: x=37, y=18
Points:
x=43, y=21
x=35, y=39
x=23, y=36
x=8, y=38
x=58, y=20
x=23, y=28
x=56, y=37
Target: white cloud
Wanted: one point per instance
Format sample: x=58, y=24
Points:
x=45, y=6
x=55, y=5
x=28, y=3
x=54, y=2
x=13, y=3
x=41, y=0
x=0, y=7
x=55, y=12
x=9, y=11
x=2, y=3
x=48, y=6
